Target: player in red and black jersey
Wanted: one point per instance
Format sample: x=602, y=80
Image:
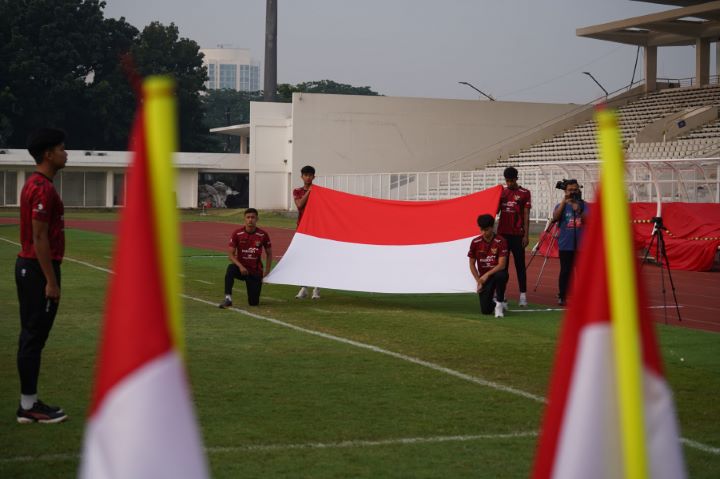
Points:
x=488, y=256
x=245, y=253
x=301, y=196
x=37, y=269
x=514, y=225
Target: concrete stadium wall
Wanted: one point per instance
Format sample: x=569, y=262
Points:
x=271, y=154
x=361, y=134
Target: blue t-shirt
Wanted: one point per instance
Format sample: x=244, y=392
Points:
x=571, y=227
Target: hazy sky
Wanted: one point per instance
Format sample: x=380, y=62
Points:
x=524, y=50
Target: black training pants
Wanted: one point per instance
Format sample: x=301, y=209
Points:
x=495, y=283
x=518, y=252
x=253, y=283
x=567, y=259
x=37, y=314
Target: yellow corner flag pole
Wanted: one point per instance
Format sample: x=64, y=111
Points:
x=622, y=289
x=160, y=121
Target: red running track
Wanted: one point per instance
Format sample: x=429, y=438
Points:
x=698, y=293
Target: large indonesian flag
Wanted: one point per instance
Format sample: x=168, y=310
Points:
x=357, y=243
x=142, y=423
x=610, y=412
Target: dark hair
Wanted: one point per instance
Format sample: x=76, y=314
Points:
x=485, y=221
x=307, y=170
x=42, y=140
x=251, y=210
x=510, y=173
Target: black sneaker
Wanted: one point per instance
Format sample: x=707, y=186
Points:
x=42, y=413
x=225, y=304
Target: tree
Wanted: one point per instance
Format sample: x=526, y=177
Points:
x=49, y=51
x=160, y=50
x=60, y=66
x=286, y=90
x=228, y=107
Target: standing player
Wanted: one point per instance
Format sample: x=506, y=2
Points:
x=301, y=196
x=514, y=225
x=488, y=257
x=246, y=246
x=37, y=269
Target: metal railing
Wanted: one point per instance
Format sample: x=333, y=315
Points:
x=688, y=180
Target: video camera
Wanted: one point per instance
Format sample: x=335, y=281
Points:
x=562, y=185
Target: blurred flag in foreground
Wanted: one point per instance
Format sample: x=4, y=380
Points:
x=142, y=423
x=610, y=412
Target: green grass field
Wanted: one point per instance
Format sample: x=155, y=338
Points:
x=274, y=401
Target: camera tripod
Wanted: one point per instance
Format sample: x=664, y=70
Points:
x=661, y=256
x=547, y=233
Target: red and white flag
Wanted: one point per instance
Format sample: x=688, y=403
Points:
x=356, y=243
x=610, y=412
x=142, y=423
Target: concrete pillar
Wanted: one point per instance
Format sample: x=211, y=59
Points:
x=702, y=61
x=109, y=186
x=244, y=145
x=650, y=67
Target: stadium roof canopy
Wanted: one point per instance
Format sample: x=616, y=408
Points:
x=676, y=27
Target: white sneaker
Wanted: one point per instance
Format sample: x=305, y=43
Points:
x=302, y=294
x=505, y=305
x=499, y=310
x=316, y=293
x=523, y=300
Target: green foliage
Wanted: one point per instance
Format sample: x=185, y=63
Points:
x=160, y=50
x=60, y=65
x=48, y=52
x=285, y=90
x=228, y=107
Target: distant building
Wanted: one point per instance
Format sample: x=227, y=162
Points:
x=231, y=69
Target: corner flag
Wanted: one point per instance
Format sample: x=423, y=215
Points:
x=142, y=423
x=610, y=411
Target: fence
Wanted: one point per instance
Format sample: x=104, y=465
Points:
x=688, y=180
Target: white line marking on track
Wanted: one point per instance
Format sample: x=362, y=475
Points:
x=308, y=445
x=700, y=446
x=688, y=442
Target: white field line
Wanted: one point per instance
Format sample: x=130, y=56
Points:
x=202, y=281
x=307, y=445
x=436, y=367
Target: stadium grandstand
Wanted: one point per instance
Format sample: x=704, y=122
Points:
x=670, y=129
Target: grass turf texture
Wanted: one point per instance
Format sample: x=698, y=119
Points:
x=275, y=402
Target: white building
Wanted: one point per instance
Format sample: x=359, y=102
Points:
x=337, y=134
x=349, y=134
x=97, y=178
x=231, y=68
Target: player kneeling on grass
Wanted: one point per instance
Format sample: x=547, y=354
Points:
x=246, y=246
x=488, y=255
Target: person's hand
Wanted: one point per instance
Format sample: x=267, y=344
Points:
x=481, y=282
x=243, y=270
x=52, y=292
x=525, y=241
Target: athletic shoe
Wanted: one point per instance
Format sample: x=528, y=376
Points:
x=42, y=413
x=504, y=305
x=302, y=294
x=499, y=310
x=561, y=301
x=316, y=293
x=225, y=304
x=523, y=300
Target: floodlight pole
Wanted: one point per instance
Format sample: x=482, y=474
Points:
x=477, y=90
x=598, y=83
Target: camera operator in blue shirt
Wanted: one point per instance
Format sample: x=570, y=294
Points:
x=570, y=216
